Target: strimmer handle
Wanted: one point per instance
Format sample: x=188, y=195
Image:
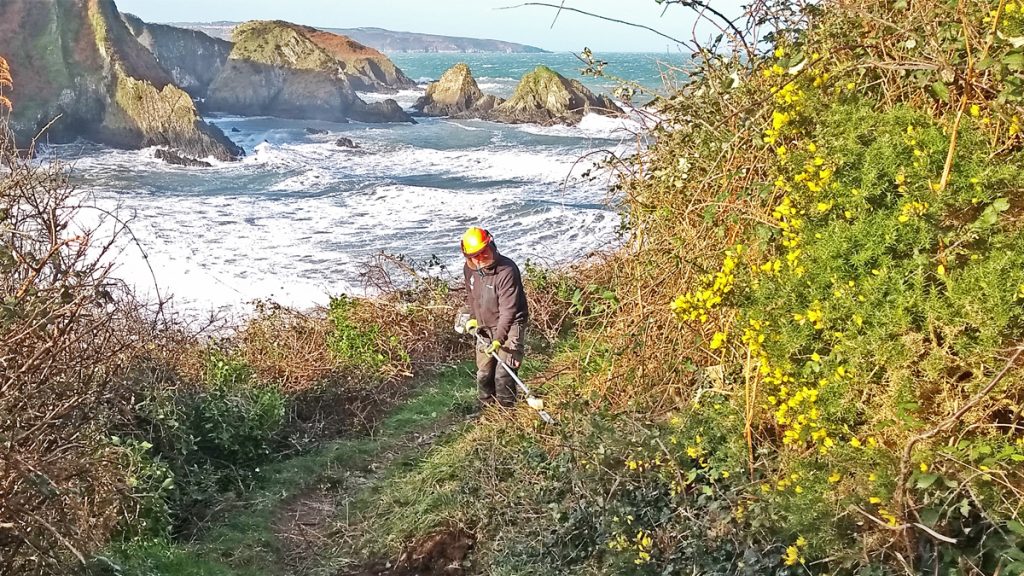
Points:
x=542, y=413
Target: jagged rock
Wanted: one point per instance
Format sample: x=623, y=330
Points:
x=344, y=142
x=544, y=96
x=172, y=157
x=235, y=129
x=455, y=92
x=192, y=58
x=278, y=69
x=78, y=60
x=315, y=131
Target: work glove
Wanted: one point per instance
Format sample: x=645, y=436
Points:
x=472, y=326
x=492, y=347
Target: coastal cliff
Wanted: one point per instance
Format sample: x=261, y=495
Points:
x=282, y=69
x=79, y=70
x=192, y=58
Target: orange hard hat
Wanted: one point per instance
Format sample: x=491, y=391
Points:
x=475, y=240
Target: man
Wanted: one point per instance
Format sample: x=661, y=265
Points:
x=497, y=304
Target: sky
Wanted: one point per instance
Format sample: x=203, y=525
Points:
x=472, y=18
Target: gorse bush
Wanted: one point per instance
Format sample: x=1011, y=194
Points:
x=808, y=363
x=859, y=290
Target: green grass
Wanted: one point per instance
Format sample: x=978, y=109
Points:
x=241, y=540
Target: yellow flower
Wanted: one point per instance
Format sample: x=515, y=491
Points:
x=855, y=442
x=801, y=541
x=792, y=556
x=718, y=340
x=834, y=477
x=975, y=110
x=875, y=500
x=725, y=473
x=924, y=467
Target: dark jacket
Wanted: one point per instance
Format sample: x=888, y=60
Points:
x=495, y=296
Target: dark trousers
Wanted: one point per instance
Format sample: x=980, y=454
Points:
x=493, y=383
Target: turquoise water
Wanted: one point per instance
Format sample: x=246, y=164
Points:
x=299, y=218
x=498, y=73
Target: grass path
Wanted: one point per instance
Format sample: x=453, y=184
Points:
x=283, y=526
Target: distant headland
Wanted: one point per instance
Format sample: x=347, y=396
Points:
x=389, y=40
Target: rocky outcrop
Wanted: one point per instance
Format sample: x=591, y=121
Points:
x=544, y=96
x=76, y=64
x=345, y=142
x=172, y=157
x=192, y=58
x=386, y=111
x=276, y=68
x=367, y=69
x=456, y=92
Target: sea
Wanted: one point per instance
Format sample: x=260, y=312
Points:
x=300, y=219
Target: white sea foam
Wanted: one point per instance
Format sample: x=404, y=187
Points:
x=296, y=219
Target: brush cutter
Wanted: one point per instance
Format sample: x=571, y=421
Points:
x=531, y=400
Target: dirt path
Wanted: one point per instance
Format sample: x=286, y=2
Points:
x=305, y=524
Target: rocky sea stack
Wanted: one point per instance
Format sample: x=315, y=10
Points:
x=456, y=92
x=544, y=96
x=281, y=69
x=98, y=79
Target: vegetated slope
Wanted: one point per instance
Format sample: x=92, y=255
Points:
x=368, y=70
x=806, y=359
x=76, y=60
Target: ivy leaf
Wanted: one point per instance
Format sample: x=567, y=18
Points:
x=940, y=91
x=926, y=480
x=929, y=517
